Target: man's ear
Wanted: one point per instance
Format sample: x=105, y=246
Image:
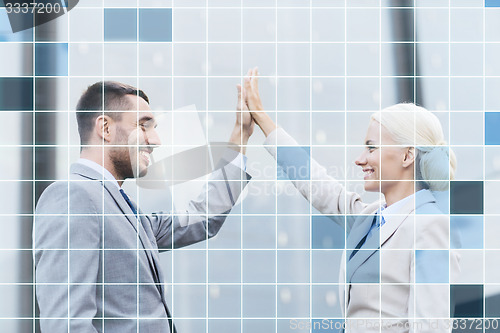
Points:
x=104, y=127
x=409, y=157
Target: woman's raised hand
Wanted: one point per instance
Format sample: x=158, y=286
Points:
x=251, y=86
x=252, y=99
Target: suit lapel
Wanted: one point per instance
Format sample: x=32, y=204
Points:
x=89, y=173
x=124, y=207
x=359, y=229
x=393, y=222
x=358, y=232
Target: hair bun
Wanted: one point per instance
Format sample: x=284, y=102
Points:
x=436, y=166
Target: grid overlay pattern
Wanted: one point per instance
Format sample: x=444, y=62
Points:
x=290, y=220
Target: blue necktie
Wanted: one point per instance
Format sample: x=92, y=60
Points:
x=379, y=221
x=127, y=199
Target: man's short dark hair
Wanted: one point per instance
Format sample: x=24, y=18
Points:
x=93, y=100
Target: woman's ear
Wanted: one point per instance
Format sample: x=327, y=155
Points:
x=409, y=157
x=103, y=127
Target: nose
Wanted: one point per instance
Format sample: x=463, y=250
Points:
x=361, y=160
x=152, y=138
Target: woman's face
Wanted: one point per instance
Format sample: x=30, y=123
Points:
x=381, y=163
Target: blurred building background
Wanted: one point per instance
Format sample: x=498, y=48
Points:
x=324, y=69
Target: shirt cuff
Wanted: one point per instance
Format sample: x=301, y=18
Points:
x=240, y=161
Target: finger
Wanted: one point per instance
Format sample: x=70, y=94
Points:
x=242, y=102
x=246, y=83
x=243, y=93
x=238, y=106
x=255, y=79
x=248, y=74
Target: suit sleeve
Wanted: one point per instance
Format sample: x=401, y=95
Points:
x=205, y=214
x=66, y=258
x=326, y=194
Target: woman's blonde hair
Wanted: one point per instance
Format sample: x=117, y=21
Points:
x=412, y=125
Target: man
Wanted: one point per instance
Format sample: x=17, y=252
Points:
x=95, y=252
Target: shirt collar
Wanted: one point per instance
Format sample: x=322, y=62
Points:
x=107, y=176
x=395, y=208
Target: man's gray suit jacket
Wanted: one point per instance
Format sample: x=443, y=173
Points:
x=97, y=265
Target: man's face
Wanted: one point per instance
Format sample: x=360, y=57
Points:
x=135, y=139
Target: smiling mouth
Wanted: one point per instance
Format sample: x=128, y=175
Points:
x=368, y=173
x=145, y=156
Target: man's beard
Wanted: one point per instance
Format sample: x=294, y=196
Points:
x=120, y=157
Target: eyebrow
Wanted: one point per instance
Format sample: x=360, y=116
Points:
x=369, y=142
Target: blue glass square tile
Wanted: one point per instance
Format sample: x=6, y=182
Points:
x=294, y=163
x=327, y=232
x=466, y=197
x=16, y=94
x=491, y=128
x=51, y=59
x=432, y=266
x=492, y=306
x=155, y=25
x=364, y=267
x=492, y=3
x=120, y=24
x=466, y=301
x=466, y=232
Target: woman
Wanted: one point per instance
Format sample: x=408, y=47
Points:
x=397, y=265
